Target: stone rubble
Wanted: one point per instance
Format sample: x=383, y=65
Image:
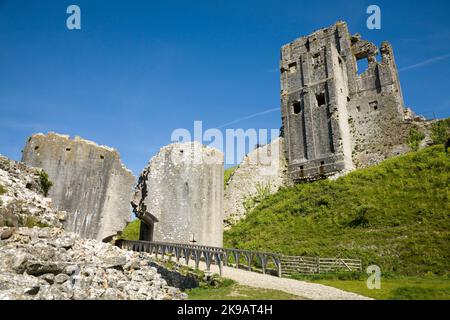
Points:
x=22, y=198
x=52, y=264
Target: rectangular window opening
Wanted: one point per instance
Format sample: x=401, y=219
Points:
x=361, y=66
x=296, y=107
x=292, y=67
x=373, y=105
x=320, y=99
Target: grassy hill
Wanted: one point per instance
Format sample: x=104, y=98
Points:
x=395, y=215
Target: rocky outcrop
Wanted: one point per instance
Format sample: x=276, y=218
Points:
x=51, y=264
x=262, y=172
x=89, y=182
x=22, y=197
x=179, y=195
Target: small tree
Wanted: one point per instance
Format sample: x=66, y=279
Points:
x=46, y=184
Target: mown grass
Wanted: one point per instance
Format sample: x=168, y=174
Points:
x=395, y=215
x=398, y=288
x=230, y=290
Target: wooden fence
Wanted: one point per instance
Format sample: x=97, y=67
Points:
x=312, y=265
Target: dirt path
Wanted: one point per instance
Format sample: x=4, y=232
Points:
x=303, y=289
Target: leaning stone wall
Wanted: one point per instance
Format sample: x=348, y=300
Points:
x=180, y=193
x=89, y=182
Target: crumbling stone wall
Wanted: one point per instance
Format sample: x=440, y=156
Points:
x=89, y=182
x=179, y=195
x=334, y=118
x=262, y=172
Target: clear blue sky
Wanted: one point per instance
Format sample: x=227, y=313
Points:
x=137, y=70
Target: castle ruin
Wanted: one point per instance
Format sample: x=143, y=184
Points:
x=89, y=182
x=179, y=195
x=336, y=118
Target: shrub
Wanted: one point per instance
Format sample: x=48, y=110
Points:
x=31, y=222
x=440, y=131
x=415, y=138
x=46, y=184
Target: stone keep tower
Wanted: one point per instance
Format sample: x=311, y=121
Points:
x=335, y=119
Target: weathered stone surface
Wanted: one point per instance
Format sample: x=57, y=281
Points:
x=22, y=200
x=88, y=269
x=335, y=119
x=7, y=234
x=262, y=172
x=89, y=182
x=180, y=194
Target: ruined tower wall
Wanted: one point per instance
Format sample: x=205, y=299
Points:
x=376, y=111
x=89, y=182
x=334, y=118
x=314, y=94
x=180, y=193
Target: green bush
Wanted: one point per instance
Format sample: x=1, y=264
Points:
x=415, y=138
x=440, y=131
x=2, y=190
x=46, y=184
x=31, y=222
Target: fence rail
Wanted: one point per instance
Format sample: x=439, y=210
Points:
x=311, y=265
x=256, y=261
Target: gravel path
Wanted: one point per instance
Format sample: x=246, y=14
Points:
x=303, y=289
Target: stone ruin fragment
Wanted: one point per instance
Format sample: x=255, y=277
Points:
x=89, y=181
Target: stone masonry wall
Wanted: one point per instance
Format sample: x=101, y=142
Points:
x=334, y=117
x=179, y=195
x=89, y=182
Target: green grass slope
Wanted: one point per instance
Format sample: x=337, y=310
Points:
x=131, y=231
x=395, y=215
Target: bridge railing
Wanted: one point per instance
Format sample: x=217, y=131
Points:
x=210, y=255
x=257, y=261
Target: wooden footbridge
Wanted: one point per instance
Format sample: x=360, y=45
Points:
x=257, y=261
